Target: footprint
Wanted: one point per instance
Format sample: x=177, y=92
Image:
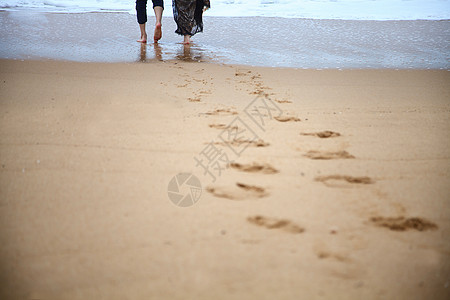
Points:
x=223, y=126
x=240, y=192
x=242, y=73
x=349, y=272
x=338, y=262
x=222, y=111
x=328, y=155
x=325, y=254
x=254, y=82
x=343, y=180
x=403, y=224
x=287, y=119
x=273, y=223
x=254, y=168
x=259, y=87
x=222, y=193
x=252, y=188
x=259, y=92
x=239, y=142
x=195, y=99
x=323, y=134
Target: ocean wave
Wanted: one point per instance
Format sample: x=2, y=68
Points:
x=311, y=9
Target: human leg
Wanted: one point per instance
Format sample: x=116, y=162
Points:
x=141, y=11
x=158, y=7
x=187, y=39
x=188, y=16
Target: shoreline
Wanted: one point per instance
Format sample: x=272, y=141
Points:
x=37, y=10
x=331, y=44
x=219, y=64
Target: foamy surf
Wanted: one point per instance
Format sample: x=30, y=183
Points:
x=309, y=9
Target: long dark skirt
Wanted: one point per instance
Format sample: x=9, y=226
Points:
x=188, y=15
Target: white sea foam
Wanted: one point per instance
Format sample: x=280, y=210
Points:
x=313, y=9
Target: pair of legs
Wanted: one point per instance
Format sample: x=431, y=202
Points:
x=141, y=9
x=188, y=16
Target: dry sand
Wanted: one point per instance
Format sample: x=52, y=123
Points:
x=87, y=152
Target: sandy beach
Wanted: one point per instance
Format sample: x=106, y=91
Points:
x=343, y=193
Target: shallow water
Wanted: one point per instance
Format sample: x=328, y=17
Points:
x=312, y=9
x=259, y=41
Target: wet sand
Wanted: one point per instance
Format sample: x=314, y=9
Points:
x=273, y=42
x=344, y=196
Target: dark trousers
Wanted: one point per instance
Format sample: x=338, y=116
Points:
x=141, y=9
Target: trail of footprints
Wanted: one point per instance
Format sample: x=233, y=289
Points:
x=243, y=191
x=197, y=94
x=257, y=86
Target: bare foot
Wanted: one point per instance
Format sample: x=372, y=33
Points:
x=158, y=33
x=143, y=39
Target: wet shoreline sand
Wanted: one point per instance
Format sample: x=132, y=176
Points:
x=257, y=41
x=88, y=149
